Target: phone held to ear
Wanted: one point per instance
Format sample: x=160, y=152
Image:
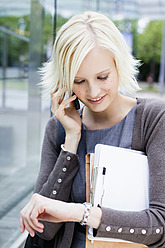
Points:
x=76, y=102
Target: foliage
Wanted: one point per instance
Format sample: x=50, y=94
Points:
x=48, y=26
x=129, y=26
x=18, y=50
x=149, y=42
x=149, y=49
x=146, y=45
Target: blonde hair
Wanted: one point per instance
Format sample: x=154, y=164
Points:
x=73, y=42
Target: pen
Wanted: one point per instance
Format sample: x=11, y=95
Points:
x=103, y=184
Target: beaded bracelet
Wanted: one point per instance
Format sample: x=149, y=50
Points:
x=86, y=213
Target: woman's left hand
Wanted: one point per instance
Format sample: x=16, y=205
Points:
x=43, y=208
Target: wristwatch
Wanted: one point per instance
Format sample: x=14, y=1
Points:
x=86, y=213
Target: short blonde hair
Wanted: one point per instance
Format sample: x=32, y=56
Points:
x=73, y=42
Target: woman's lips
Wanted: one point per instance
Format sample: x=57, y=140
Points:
x=97, y=100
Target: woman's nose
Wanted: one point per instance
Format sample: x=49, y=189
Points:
x=93, y=90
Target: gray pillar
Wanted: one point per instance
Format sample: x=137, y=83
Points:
x=4, y=67
x=162, y=64
x=54, y=20
x=34, y=98
x=97, y=5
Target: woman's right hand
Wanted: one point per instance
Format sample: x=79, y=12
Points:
x=46, y=209
x=69, y=117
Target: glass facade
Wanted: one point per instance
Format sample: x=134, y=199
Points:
x=23, y=112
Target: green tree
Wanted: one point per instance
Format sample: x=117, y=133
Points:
x=16, y=47
x=48, y=29
x=149, y=47
x=19, y=49
x=48, y=26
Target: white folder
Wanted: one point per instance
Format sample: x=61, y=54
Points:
x=125, y=186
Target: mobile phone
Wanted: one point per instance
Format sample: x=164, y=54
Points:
x=76, y=102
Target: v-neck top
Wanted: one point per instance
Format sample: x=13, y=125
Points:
x=119, y=135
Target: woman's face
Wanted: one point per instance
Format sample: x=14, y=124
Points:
x=96, y=82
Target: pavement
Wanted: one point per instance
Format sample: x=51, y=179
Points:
x=151, y=95
x=21, y=134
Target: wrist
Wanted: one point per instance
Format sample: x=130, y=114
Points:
x=95, y=217
x=71, y=142
x=77, y=212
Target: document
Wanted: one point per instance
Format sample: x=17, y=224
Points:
x=117, y=178
x=120, y=179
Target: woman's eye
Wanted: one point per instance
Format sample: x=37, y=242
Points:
x=103, y=78
x=79, y=82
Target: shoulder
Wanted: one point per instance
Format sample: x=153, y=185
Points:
x=149, y=121
x=151, y=104
x=150, y=108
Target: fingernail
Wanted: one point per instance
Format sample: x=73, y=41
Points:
x=32, y=234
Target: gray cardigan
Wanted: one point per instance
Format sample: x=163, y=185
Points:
x=145, y=226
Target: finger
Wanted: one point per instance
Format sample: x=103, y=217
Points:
x=31, y=226
x=59, y=113
x=56, y=99
x=22, y=226
x=23, y=215
x=67, y=101
x=29, y=229
x=35, y=224
x=51, y=94
x=35, y=216
x=30, y=223
x=59, y=94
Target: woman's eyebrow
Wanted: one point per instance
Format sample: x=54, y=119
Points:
x=104, y=71
x=79, y=78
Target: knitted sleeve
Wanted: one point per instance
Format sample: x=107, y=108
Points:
x=147, y=226
x=56, y=174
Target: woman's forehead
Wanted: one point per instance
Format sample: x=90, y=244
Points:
x=98, y=60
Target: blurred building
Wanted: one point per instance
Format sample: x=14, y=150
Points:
x=154, y=9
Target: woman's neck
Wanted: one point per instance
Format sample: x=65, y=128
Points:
x=110, y=116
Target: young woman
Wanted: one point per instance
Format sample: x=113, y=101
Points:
x=91, y=59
